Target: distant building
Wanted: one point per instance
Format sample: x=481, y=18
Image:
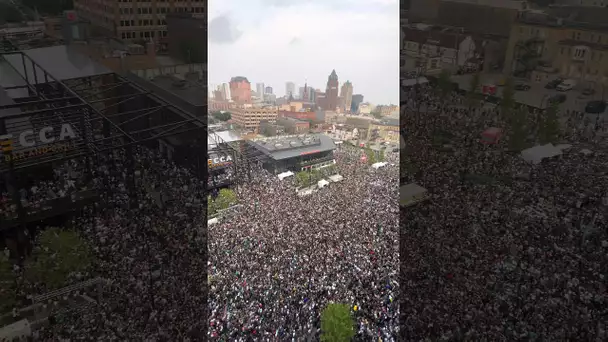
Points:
x=365, y=108
x=434, y=50
x=240, y=90
x=568, y=42
x=259, y=90
x=249, y=118
x=387, y=130
x=185, y=32
x=146, y=20
x=293, y=126
x=225, y=89
x=587, y=3
x=346, y=92
x=290, y=89
x=331, y=91
x=319, y=98
x=356, y=101
x=268, y=90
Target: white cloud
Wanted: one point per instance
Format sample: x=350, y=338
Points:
x=283, y=40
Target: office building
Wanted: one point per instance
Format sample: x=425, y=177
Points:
x=331, y=91
x=240, y=90
x=249, y=118
x=356, y=101
x=347, y=95
x=259, y=90
x=290, y=89
x=133, y=20
x=268, y=90
x=184, y=31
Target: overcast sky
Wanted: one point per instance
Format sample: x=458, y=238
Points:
x=275, y=41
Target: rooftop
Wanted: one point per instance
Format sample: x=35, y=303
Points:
x=285, y=147
x=192, y=91
x=60, y=61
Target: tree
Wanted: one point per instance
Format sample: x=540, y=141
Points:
x=45, y=7
x=191, y=52
x=474, y=85
x=371, y=156
x=225, y=199
x=337, y=324
x=517, y=129
x=548, y=125
x=507, y=103
x=381, y=156
x=222, y=116
x=7, y=285
x=9, y=14
x=58, y=254
x=444, y=85
x=303, y=178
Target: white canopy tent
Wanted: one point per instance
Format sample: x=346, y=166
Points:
x=322, y=183
x=411, y=194
x=379, y=165
x=285, y=175
x=213, y=221
x=336, y=178
x=537, y=153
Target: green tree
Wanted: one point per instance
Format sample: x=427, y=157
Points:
x=58, y=253
x=548, y=125
x=222, y=116
x=9, y=14
x=337, y=323
x=507, y=103
x=7, y=285
x=381, y=156
x=371, y=156
x=303, y=178
x=444, y=85
x=191, y=52
x=517, y=129
x=225, y=199
x=473, y=87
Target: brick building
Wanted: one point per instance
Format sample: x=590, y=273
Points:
x=331, y=92
x=240, y=90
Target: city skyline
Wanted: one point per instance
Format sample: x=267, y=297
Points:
x=273, y=43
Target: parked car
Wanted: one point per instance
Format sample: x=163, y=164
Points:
x=588, y=92
x=522, y=87
x=595, y=107
x=553, y=84
x=566, y=85
x=557, y=98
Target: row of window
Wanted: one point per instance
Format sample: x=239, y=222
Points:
x=143, y=22
x=143, y=34
x=580, y=53
x=536, y=32
x=160, y=10
x=161, y=1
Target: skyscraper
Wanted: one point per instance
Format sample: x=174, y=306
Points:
x=356, y=101
x=225, y=89
x=259, y=89
x=240, y=89
x=346, y=92
x=290, y=89
x=331, y=91
x=268, y=90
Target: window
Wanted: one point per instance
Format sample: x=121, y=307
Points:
x=561, y=51
x=123, y=35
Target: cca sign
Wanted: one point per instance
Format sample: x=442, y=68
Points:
x=219, y=161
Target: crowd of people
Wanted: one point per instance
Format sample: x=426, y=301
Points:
x=276, y=265
x=503, y=250
x=150, y=250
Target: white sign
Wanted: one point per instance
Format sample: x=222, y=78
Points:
x=46, y=135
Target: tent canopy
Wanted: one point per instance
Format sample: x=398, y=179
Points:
x=322, y=183
x=335, y=178
x=537, y=153
x=411, y=193
x=284, y=175
x=379, y=165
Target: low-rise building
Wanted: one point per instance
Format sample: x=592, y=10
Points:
x=567, y=42
x=249, y=118
x=386, y=130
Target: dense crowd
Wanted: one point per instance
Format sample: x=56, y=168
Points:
x=151, y=251
x=503, y=250
x=276, y=265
